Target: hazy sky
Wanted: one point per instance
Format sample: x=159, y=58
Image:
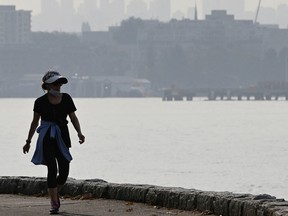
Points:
x=176, y=4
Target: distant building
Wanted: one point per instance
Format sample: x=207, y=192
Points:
x=233, y=7
x=218, y=49
x=160, y=9
x=15, y=26
x=109, y=86
x=96, y=37
x=219, y=26
x=137, y=8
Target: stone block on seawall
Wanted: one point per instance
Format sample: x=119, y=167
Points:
x=23, y=185
x=171, y=197
x=128, y=192
x=74, y=187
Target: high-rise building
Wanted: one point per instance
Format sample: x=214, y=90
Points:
x=15, y=26
x=236, y=8
x=49, y=17
x=104, y=4
x=137, y=8
x=87, y=11
x=160, y=9
x=117, y=9
x=49, y=6
x=68, y=21
x=192, y=13
x=67, y=6
x=281, y=17
x=209, y=5
x=88, y=6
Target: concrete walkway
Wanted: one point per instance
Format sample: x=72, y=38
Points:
x=16, y=205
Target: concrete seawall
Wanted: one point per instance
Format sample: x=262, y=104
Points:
x=218, y=203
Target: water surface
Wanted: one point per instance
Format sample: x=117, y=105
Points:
x=237, y=146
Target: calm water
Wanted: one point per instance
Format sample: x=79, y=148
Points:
x=219, y=146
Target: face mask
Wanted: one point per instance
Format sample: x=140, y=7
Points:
x=54, y=92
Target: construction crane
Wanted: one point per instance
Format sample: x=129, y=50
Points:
x=257, y=12
x=196, y=12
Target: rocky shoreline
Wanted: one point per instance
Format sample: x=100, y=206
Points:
x=218, y=203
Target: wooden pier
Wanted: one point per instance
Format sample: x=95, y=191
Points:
x=258, y=94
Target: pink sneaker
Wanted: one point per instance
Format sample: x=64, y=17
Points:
x=54, y=208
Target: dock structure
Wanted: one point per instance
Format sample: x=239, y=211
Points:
x=261, y=92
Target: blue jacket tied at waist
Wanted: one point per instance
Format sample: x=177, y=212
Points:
x=55, y=133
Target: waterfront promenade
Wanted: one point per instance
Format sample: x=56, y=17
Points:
x=30, y=206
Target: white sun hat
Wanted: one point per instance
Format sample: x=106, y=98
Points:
x=53, y=76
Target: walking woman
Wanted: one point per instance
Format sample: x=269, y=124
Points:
x=52, y=148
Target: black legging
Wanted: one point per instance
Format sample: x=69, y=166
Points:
x=53, y=156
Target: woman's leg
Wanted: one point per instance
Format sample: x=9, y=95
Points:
x=63, y=166
x=53, y=193
x=49, y=150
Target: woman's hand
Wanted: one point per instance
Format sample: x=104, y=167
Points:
x=81, y=138
x=33, y=126
x=26, y=148
x=76, y=125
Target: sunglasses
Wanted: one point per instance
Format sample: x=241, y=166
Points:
x=57, y=83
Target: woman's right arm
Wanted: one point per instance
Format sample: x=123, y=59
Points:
x=33, y=127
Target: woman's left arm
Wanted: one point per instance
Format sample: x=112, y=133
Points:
x=77, y=127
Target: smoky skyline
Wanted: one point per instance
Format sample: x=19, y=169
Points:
x=219, y=51
x=68, y=15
